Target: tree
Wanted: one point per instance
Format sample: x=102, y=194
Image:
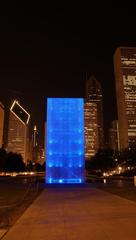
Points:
x=103, y=160
x=14, y=162
x=38, y=167
x=29, y=166
x=3, y=156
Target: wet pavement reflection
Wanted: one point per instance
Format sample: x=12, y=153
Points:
x=107, y=182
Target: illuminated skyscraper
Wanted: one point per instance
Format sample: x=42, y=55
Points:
x=93, y=117
x=1, y=123
x=41, y=155
x=91, y=129
x=125, y=76
x=114, y=143
x=18, y=129
x=35, y=137
x=35, y=144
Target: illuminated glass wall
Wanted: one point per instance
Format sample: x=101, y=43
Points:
x=65, y=140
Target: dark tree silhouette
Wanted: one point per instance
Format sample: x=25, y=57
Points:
x=103, y=160
x=3, y=157
x=38, y=167
x=14, y=163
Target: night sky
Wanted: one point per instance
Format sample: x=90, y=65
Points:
x=47, y=51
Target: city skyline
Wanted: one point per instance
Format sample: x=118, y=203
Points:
x=49, y=53
x=68, y=120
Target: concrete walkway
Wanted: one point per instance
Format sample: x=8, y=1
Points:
x=76, y=213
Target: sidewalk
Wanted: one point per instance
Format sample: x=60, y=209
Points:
x=76, y=213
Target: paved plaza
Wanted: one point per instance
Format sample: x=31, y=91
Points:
x=76, y=213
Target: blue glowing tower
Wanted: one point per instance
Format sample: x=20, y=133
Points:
x=65, y=140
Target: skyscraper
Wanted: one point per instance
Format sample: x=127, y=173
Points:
x=18, y=129
x=35, y=144
x=114, y=143
x=91, y=129
x=125, y=78
x=1, y=123
x=94, y=107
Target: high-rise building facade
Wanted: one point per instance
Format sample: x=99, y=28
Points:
x=94, y=107
x=114, y=143
x=125, y=78
x=35, y=144
x=91, y=129
x=1, y=123
x=18, y=130
x=94, y=94
x=41, y=155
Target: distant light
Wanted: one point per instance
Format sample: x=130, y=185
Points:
x=35, y=128
x=104, y=180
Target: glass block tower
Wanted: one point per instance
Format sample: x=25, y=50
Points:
x=65, y=140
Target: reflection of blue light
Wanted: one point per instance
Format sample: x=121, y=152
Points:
x=80, y=153
x=50, y=180
x=71, y=180
x=65, y=140
x=50, y=165
x=60, y=181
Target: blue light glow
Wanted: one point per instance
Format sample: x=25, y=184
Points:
x=65, y=140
